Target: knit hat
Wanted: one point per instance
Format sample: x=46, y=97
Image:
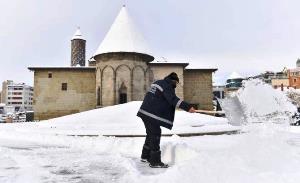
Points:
x=173, y=76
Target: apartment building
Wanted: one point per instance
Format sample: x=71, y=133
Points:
x=18, y=95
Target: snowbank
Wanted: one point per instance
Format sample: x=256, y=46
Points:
x=42, y=152
x=263, y=103
x=121, y=120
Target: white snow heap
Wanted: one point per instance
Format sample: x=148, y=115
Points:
x=235, y=75
x=123, y=36
x=262, y=102
x=78, y=34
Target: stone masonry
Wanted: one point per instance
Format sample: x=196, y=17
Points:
x=51, y=101
x=198, y=87
x=114, y=70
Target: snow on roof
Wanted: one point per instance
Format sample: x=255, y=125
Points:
x=168, y=63
x=235, y=75
x=123, y=36
x=61, y=68
x=92, y=59
x=295, y=70
x=78, y=34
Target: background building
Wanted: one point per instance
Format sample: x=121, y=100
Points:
x=276, y=79
x=284, y=79
x=18, y=95
x=219, y=91
x=233, y=82
x=121, y=70
x=294, y=76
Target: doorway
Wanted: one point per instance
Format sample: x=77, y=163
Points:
x=123, y=94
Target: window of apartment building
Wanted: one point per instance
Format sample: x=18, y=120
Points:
x=17, y=98
x=17, y=93
x=16, y=103
x=50, y=75
x=64, y=86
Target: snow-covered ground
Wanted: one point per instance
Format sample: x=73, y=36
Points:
x=265, y=152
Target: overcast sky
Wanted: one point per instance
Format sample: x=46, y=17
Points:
x=247, y=36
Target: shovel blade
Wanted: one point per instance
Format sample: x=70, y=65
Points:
x=233, y=110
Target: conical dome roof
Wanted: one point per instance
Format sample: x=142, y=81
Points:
x=123, y=36
x=78, y=34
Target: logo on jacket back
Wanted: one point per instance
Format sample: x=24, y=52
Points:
x=155, y=87
x=152, y=89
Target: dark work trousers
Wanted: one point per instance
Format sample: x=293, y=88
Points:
x=153, y=135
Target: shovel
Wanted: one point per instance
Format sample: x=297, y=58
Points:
x=233, y=110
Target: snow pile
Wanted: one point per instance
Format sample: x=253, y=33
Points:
x=294, y=95
x=263, y=103
x=42, y=152
x=122, y=120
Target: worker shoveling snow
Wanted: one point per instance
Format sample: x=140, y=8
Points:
x=262, y=155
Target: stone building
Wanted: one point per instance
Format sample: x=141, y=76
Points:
x=120, y=71
x=294, y=76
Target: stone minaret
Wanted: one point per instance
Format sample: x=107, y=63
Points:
x=78, y=49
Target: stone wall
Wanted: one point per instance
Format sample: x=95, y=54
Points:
x=160, y=71
x=51, y=101
x=198, y=88
x=120, y=69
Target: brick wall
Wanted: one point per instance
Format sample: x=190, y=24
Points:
x=78, y=52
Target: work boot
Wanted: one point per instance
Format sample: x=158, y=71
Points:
x=145, y=154
x=155, y=160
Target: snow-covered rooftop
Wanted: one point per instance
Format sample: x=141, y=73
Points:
x=78, y=34
x=123, y=36
x=235, y=75
x=295, y=70
x=61, y=68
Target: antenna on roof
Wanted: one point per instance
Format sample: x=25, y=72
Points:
x=164, y=59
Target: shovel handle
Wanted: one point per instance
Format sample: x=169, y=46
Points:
x=209, y=112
